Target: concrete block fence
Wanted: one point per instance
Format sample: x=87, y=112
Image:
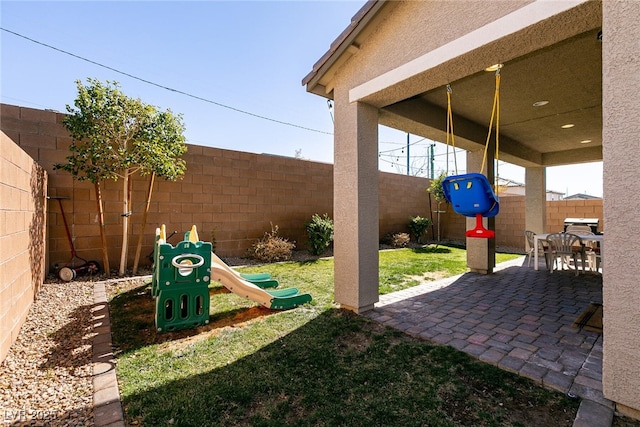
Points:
x=23, y=185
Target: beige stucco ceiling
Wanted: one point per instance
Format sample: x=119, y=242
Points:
x=568, y=75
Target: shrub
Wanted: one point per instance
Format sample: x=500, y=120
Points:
x=272, y=248
x=397, y=240
x=320, y=231
x=400, y=240
x=418, y=226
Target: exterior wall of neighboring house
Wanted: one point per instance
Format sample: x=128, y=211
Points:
x=520, y=190
x=22, y=237
x=552, y=195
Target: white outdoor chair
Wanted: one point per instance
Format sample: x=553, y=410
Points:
x=567, y=245
x=543, y=249
x=592, y=250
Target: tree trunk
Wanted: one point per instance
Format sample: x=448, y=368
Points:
x=125, y=223
x=103, y=236
x=439, y=212
x=433, y=231
x=144, y=223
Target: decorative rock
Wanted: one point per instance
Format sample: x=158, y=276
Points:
x=46, y=376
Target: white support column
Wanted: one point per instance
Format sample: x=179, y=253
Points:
x=535, y=200
x=355, y=200
x=481, y=253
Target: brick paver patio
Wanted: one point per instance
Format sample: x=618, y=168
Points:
x=518, y=319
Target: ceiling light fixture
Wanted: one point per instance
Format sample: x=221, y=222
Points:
x=567, y=126
x=540, y=103
x=494, y=67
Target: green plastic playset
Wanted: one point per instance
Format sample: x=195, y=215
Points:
x=182, y=275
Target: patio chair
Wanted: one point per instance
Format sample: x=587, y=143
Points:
x=567, y=245
x=592, y=250
x=543, y=249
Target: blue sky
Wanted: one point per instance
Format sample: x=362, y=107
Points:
x=248, y=56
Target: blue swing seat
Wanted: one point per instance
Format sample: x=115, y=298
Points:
x=471, y=195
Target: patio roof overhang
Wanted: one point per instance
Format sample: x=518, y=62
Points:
x=551, y=51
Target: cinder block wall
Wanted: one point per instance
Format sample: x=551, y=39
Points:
x=23, y=186
x=402, y=197
x=559, y=210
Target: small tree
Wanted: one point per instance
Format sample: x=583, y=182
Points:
x=114, y=137
x=436, y=190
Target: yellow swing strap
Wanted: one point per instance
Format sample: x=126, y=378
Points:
x=495, y=113
x=449, y=132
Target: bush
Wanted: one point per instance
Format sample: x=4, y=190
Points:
x=320, y=231
x=400, y=240
x=397, y=240
x=418, y=226
x=272, y=248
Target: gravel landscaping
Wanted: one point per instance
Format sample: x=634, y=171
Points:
x=46, y=377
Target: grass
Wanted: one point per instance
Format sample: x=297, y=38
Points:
x=315, y=365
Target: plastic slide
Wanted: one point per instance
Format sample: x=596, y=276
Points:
x=281, y=299
x=262, y=280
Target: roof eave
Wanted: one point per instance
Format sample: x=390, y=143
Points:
x=340, y=46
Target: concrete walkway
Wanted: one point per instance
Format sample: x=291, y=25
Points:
x=517, y=319
x=107, y=407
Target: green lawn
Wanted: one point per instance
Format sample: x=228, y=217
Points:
x=314, y=365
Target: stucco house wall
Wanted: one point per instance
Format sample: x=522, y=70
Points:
x=621, y=136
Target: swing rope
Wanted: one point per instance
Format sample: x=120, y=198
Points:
x=495, y=113
x=449, y=132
